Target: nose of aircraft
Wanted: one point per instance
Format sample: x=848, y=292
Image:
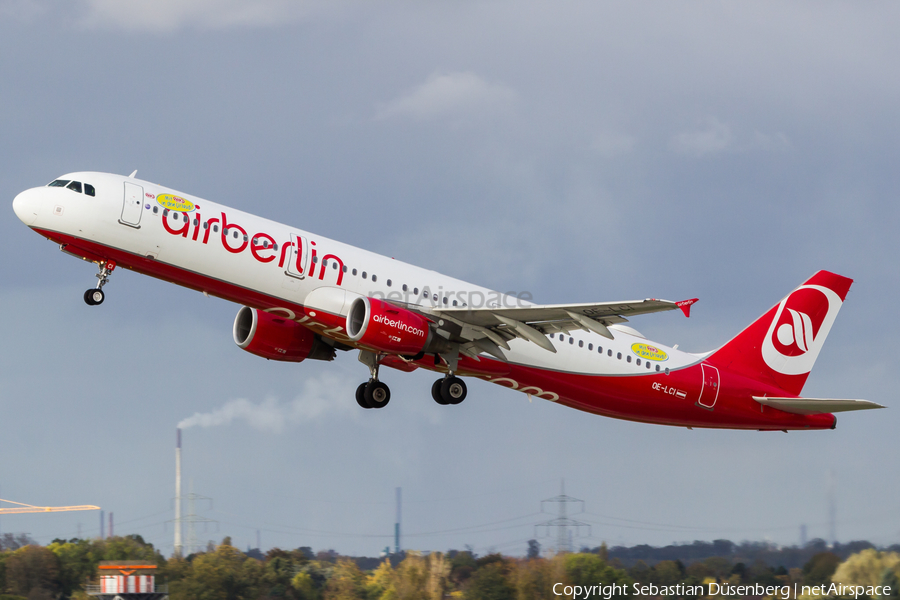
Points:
x=27, y=204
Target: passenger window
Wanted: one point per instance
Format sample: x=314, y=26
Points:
x=619, y=355
x=628, y=358
x=416, y=291
x=255, y=241
x=196, y=222
x=657, y=368
x=315, y=258
x=434, y=298
x=404, y=287
x=156, y=210
x=389, y=283
x=600, y=349
x=667, y=370
x=59, y=183
x=374, y=278
x=89, y=189
x=334, y=265
x=166, y=212
x=609, y=352
x=364, y=275
x=445, y=299
x=324, y=263
x=275, y=247
x=215, y=229
x=454, y=303
x=235, y=237
x=344, y=269
x=648, y=365
x=638, y=362
x=551, y=336
x=571, y=340
x=581, y=343
x=354, y=271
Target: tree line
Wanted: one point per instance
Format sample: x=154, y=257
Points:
x=60, y=570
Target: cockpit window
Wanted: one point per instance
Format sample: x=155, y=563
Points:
x=75, y=186
x=58, y=183
x=89, y=189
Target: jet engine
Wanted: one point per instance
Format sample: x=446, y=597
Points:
x=380, y=325
x=277, y=338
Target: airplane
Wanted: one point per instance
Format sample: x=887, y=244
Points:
x=306, y=297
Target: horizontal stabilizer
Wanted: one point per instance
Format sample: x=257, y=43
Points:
x=813, y=406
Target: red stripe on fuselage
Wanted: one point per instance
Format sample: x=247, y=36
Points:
x=650, y=398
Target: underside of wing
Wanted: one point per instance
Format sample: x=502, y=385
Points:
x=489, y=329
x=813, y=406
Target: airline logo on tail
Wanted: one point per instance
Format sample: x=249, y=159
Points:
x=799, y=329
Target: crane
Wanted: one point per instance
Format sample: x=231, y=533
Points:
x=28, y=508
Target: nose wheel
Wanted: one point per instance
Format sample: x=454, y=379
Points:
x=96, y=295
x=449, y=390
x=373, y=393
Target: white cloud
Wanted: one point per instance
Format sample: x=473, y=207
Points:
x=169, y=15
x=714, y=137
x=450, y=94
x=321, y=396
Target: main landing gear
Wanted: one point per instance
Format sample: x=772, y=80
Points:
x=373, y=393
x=376, y=394
x=449, y=390
x=96, y=296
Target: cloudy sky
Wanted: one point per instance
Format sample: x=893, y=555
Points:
x=581, y=151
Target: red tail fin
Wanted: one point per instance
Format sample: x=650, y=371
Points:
x=782, y=345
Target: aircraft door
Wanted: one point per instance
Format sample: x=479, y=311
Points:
x=709, y=393
x=298, y=255
x=131, y=205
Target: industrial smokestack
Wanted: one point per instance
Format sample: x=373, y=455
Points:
x=178, y=545
x=102, y=524
x=111, y=534
x=397, y=524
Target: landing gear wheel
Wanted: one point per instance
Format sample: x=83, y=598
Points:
x=453, y=390
x=377, y=394
x=436, y=391
x=94, y=297
x=361, y=396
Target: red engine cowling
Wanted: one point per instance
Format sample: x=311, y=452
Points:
x=380, y=325
x=273, y=337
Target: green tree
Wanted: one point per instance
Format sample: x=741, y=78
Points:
x=534, y=579
x=820, y=568
x=347, y=582
x=589, y=569
x=490, y=582
x=223, y=574
x=32, y=569
x=866, y=567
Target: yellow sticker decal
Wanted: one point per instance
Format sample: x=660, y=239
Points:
x=176, y=203
x=649, y=352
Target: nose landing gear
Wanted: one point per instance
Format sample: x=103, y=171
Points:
x=96, y=296
x=449, y=390
x=373, y=393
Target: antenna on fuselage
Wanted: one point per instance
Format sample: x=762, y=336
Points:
x=133, y=173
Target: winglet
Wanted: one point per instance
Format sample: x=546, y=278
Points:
x=685, y=306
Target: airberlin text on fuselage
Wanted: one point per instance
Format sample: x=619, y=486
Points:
x=262, y=245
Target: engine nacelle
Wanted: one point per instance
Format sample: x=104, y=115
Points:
x=277, y=338
x=380, y=325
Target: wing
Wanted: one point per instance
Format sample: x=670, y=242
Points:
x=814, y=406
x=489, y=329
